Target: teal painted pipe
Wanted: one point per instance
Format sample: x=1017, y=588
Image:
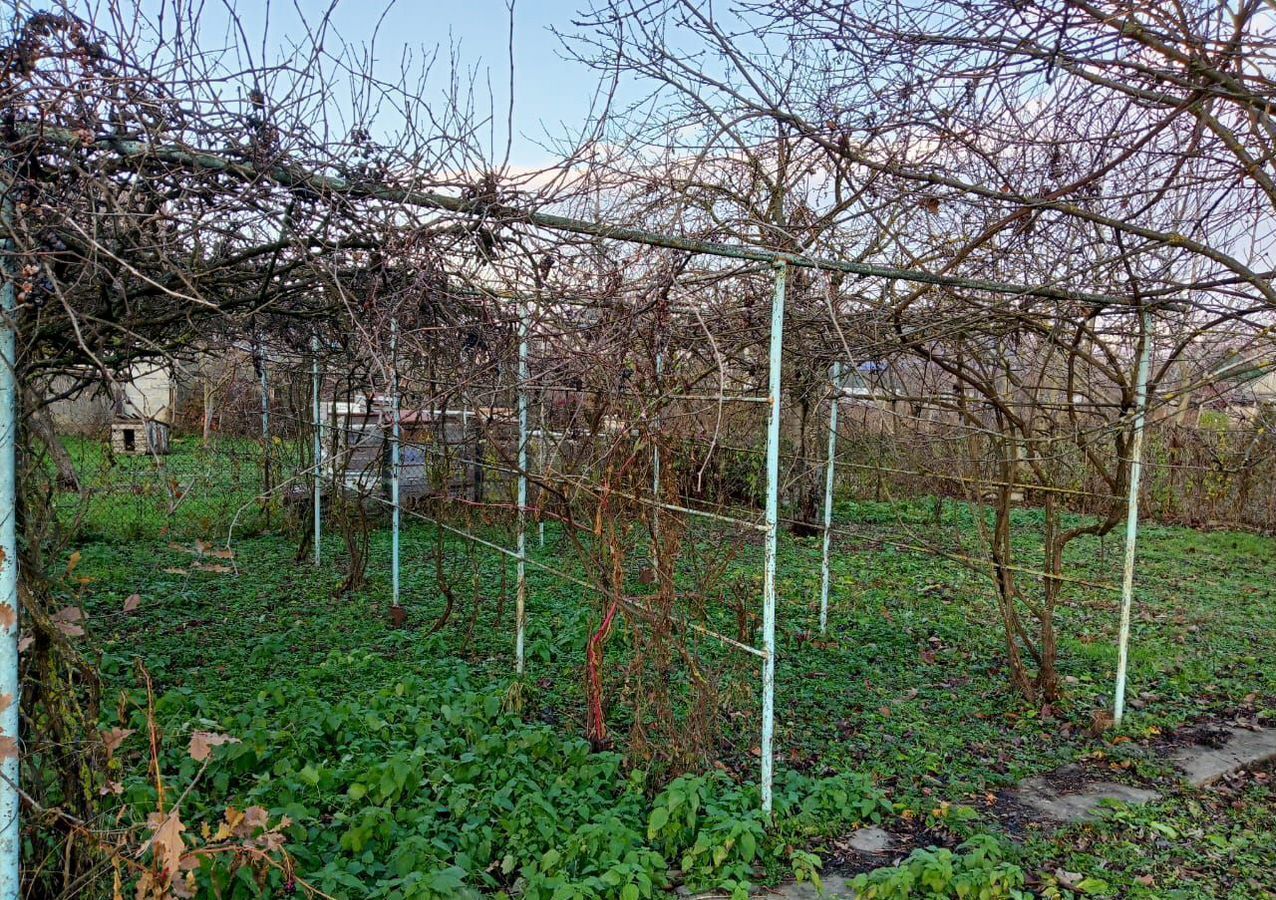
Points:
x=772, y=519
x=395, y=436
x=10, y=835
x=1132, y=517
x=836, y=376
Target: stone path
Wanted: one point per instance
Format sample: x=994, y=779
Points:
x=1079, y=802
x=1067, y=796
x=1241, y=749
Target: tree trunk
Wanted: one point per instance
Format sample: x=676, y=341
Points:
x=42, y=427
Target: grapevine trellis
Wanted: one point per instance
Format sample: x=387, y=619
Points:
x=536, y=316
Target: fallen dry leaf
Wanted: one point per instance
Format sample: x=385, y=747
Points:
x=203, y=742
x=66, y=620
x=210, y=567
x=132, y=602
x=166, y=840
x=112, y=738
x=254, y=817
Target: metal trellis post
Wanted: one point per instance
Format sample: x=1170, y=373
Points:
x=772, y=520
x=315, y=385
x=1132, y=517
x=520, y=609
x=10, y=835
x=541, y=460
x=836, y=376
x=395, y=436
x=655, y=454
x=260, y=355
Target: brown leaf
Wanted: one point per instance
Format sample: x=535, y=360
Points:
x=175, y=571
x=8, y=616
x=132, y=602
x=66, y=618
x=254, y=817
x=931, y=205
x=272, y=841
x=72, y=562
x=112, y=739
x=224, y=553
x=210, y=567
x=8, y=747
x=203, y=742
x=6, y=700
x=111, y=787
x=166, y=840
x=25, y=643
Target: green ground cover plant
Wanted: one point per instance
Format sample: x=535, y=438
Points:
x=404, y=765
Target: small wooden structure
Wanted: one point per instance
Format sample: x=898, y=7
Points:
x=139, y=437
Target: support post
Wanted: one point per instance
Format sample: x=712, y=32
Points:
x=1132, y=515
x=835, y=375
x=395, y=436
x=10, y=834
x=259, y=357
x=315, y=385
x=266, y=400
x=655, y=455
x=772, y=520
x=520, y=609
x=541, y=459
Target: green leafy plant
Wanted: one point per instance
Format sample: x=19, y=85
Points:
x=977, y=870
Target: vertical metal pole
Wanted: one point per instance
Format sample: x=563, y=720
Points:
x=10, y=837
x=265, y=399
x=395, y=436
x=655, y=454
x=541, y=459
x=836, y=376
x=315, y=385
x=520, y=614
x=260, y=356
x=1132, y=516
x=772, y=519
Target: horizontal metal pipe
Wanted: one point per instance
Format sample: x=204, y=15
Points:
x=301, y=179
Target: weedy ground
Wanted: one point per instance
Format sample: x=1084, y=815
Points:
x=395, y=756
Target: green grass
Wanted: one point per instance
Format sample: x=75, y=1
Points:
x=195, y=491
x=907, y=690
